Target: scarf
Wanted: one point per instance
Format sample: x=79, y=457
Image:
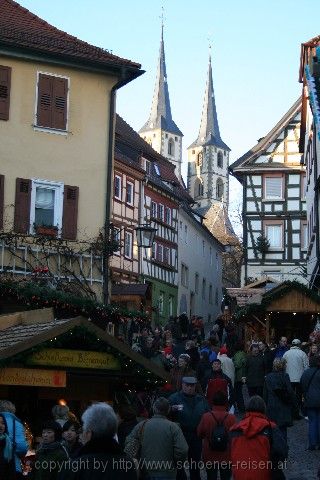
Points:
x=7, y=450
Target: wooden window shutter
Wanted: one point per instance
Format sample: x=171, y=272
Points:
x=5, y=83
x=59, y=108
x=70, y=212
x=22, y=205
x=45, y=101
x=1, y=200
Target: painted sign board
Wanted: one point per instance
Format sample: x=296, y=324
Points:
x=30, y=377
x=59, y=357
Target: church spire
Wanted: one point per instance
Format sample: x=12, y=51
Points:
x=160, y=115
x=209, y=133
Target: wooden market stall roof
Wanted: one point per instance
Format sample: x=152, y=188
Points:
x=292, y=298
x=23, y=331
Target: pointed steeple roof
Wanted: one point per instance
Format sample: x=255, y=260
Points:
x=160, y=115
x=209, y=133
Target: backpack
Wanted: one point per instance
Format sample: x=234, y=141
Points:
x=219, y=438
x=218, y=384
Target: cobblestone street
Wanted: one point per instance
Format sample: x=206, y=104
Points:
x=302, y=464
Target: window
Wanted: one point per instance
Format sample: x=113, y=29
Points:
x=203, y=289
x=166, y=255
x=160, y=212
x=154, y=250
x=219, y=189
x=198, y=188
x=46, y=204
x=118, y=187
x=148, y=167
x=128, y=245
x=161, y=302
x=210, y=255
x=220, y=160
x=153, y=210
x=199, y=159
x=196, y=283
x=210, y=294
x=274, y=233
x=186, y=234
x=303, y=185
x=203, y=248
x=171, y=147
x=168, y=215
x=184, y=275
x=130, y=193
x=170, y=305
x=273, y=187
x=5, y=84
x=117, y=238
x=304, y=235
x=52, y=102
x=159, y=253
x=157, y=169
x=175, y=139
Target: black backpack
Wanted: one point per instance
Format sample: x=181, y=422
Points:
x=219, y=438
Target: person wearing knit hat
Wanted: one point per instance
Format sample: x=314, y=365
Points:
x=50, y=452
x=181, y=370
x=227, y=365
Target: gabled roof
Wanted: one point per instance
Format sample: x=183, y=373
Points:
x=160, y=115
x=126, y=136
x=263, y=144
x=209, y=133
x=21, y=29
x=217, y=220
x=19, y=338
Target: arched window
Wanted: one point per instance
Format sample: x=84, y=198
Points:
x=220, y=160
x=198, y=188
x=219, y=189
x=170, y=147
x=199, y=159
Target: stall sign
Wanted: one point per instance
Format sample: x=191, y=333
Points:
x=74, y=358
x=33, y=377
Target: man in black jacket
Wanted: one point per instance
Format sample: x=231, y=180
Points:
x=218, y=381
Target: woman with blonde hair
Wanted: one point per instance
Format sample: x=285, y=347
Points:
x=279, y=396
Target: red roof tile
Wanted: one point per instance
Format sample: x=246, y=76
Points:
x=21, y=28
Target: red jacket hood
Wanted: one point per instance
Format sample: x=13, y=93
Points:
x=253, y=423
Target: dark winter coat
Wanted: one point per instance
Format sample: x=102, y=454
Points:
x=194, y=406
x=268, y=357
x=101, y=459
x=213, y=375
x=255, y=370
x=205, y=429
x=203, y=372
x=312, y=392
x=124, y=429
x=193, y=352
x=7, y=469
x=53, y=454
x=278, y=410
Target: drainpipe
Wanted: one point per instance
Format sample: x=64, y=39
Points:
x=127, y=75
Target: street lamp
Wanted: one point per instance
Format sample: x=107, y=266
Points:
x=145, y=235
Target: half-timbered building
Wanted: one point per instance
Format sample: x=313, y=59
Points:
x=310, y=147
x=274, y=204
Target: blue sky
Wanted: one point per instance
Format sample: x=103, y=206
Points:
x=255, y=57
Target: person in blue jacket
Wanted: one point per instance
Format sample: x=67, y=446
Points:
x=16, y=433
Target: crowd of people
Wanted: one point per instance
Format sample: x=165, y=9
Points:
x=225, y=410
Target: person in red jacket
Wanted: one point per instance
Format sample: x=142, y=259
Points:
x=252, y=457
x=216, y=460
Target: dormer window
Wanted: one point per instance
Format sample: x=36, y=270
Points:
x=157, y=169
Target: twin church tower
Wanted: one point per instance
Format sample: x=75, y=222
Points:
x=208, y=155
